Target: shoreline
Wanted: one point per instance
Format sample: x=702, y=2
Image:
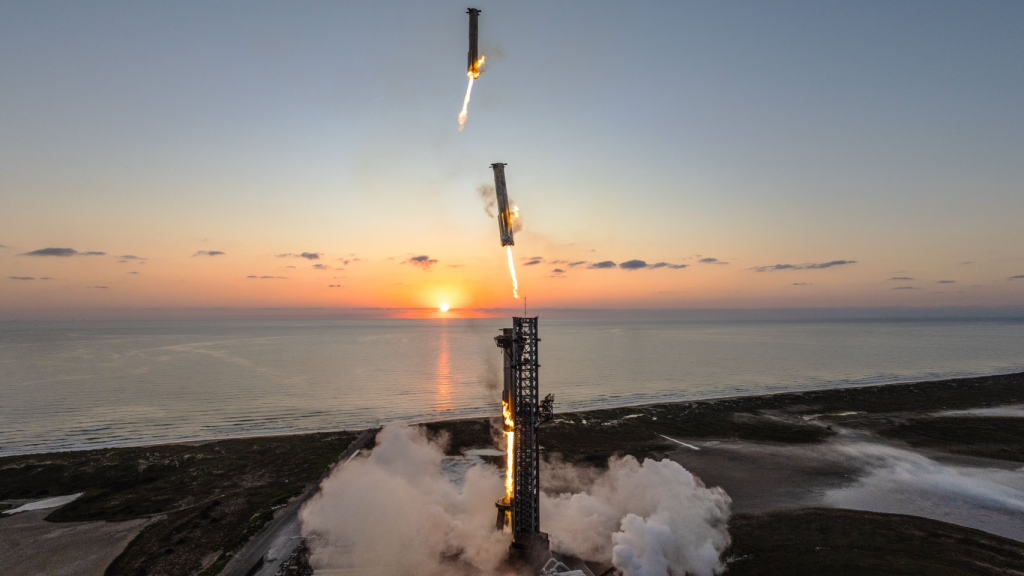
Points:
x=753, y=398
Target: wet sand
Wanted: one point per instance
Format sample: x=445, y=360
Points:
x=33, y=547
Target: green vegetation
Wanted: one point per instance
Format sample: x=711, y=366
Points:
x=816, y=541
x=205, y=501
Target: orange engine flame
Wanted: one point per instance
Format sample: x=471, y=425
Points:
x=510, y=435
x=474, y=73
x=474, y=70
x=512, y=269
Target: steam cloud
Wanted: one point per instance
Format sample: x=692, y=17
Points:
x=650, y=519
x=407, y=509
x=402, y=510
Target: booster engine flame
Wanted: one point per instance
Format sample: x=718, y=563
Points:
x=512, y=269
x=473, y=73
x=474, y=70
x=510, y=435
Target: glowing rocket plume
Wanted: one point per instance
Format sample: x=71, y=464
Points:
x=512, y=269
x=473, y=73
x=465, y=106
x=510, y=435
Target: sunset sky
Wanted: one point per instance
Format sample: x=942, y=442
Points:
x=789, y=154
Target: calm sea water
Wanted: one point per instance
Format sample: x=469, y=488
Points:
x=94, y=384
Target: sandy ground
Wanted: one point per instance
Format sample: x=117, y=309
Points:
x=30, y=546
x=859, y=474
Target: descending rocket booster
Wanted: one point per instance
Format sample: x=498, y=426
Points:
x=504, y=214
x=474, y=53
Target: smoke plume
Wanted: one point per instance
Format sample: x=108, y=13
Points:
x=406, y=509
x=650, y=519
x=487, y=195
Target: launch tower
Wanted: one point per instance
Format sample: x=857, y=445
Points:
x=521, y=393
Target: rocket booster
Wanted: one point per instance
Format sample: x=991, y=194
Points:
x=474, y=53
x=504, y=216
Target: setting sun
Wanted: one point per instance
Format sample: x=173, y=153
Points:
x=444, y=307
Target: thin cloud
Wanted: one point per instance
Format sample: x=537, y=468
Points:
x=946, y=282
x=901, y=278
x=59, y=252
x=633, y=265
x=830, y=264
x=801, y=284
x=1018, y=277
x=100, y=287
x=306, y=255
x=422, y=261
x=575, y=264
x=46, y=278
x=906, y=288
x=711, y=261
x=20, y=278
x=267, y=277
x=802, y=266
x=133, y=272
x=670, y=266
x=335, y=286
x=600, y=265
x=321, y=266
x=533, y=261
x=131, y=257
x=558, y=271
x=208, y=253
x=93, y=254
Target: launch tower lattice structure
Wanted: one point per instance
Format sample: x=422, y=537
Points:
x=519, y=347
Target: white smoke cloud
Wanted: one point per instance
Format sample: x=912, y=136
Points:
x=407, y=509
x=650, y=519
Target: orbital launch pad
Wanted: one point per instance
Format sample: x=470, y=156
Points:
x=519, y=346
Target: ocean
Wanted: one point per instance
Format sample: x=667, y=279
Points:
x=81, y=385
